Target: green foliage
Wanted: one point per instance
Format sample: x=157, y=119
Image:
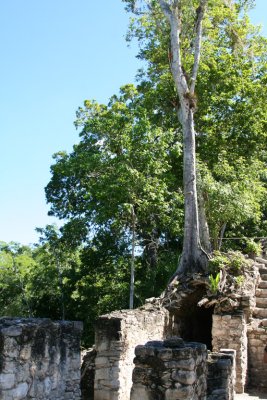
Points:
x=214, y=282
x=252, y=248
x=217, y=262
x=233, y=261
x=15, y=296
x=240, y=280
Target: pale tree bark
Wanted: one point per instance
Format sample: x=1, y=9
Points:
x=194, y=258
x=203, y=225
x=131, y=299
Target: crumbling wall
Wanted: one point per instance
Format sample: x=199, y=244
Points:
x=170, y=370
x=39, y=359
x=257, y=355
x=117, y=335
x=230, y=332
x=221, y=375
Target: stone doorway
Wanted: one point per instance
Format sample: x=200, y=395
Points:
x=196, y=325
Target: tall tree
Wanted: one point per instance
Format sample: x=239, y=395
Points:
x=194, y=258
x=229, y=42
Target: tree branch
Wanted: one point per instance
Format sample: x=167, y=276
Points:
x=197, y=47
x=165, y=8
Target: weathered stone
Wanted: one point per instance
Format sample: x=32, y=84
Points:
x=7, y=381
x=260, y=312
x=12, y=331
x=183, y=392
x=39, y=359
x=173, y=342
x=184, y=377
x=20, y=392
x=117, y=336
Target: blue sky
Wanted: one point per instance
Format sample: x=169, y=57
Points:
x=54, y=55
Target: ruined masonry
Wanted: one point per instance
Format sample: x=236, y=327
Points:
x=257, y=334
x=39, y=359
x=117, y=335
x=234, y=331
x=172, y=348
x=170, y=370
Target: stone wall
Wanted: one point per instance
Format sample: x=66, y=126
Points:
x=39, y=359
x=170, y=370
x=257, y=355
x=117, y=335
x=230, y=331
x=221, y=375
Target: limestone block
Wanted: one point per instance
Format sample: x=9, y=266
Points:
x=140, y=392
x=10, y=331
x=184, y=377
x=47, y=385
x=20, y=392
x=25, y=353
x=260, y=312
x=11, y=349
x=9, y=366
x=180, y=393
x=189, y=364
x=263, y=285
x=261, y=292
x=106, y=395
x=7, y=381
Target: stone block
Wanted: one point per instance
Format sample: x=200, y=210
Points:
x=262, y=284
x=140, y=392
x=7, y=381
x=39, y=353
x=260, y=312
x=180, y=393
x=20, y=392
x=184, y=377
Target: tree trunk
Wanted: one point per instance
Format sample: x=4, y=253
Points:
x=131, y=300
x=194, y=258
x=203, y=225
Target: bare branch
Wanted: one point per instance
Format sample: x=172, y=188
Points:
x=197, y=47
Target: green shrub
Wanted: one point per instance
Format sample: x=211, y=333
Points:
x=217, y=262
x=252, y=248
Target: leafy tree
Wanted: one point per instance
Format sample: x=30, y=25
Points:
x=15, y=262
x=124, y=179
x=119, y=175
x=53, y=281
x=233, y=59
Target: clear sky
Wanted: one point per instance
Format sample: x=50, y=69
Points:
x=54, y=55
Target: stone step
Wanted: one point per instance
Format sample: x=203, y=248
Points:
x=260, y=312
x=261, y=302
x=264, y=277
x=262, y=285
x=261, y=293
x=263, y=270
x=260, y=260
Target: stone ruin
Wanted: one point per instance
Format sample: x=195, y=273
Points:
x=131, y=345
x=39, y=359
x=139, y=354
